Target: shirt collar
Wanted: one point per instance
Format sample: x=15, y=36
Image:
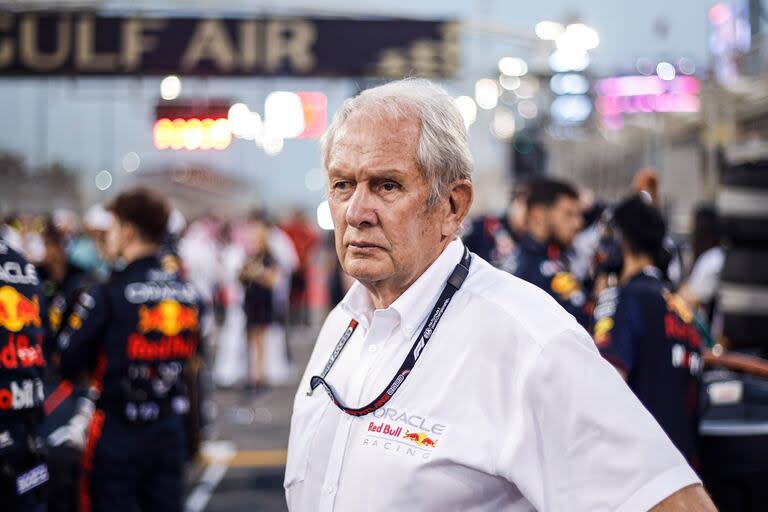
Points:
x=415, y=303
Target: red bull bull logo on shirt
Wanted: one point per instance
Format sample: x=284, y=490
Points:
x=168, y=317
x=420, y=438
x=17, y=311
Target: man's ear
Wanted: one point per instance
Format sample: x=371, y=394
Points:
x=459, y=194
x=129, y=232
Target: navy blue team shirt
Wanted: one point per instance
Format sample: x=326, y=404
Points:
x=648, y=333
x=545, y=266
x=134, y=334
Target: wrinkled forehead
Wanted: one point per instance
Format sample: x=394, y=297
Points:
x=371, y=136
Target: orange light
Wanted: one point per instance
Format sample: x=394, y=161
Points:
x=206, y=142
x=177, y=139
x=192, y=134
x=162, y=133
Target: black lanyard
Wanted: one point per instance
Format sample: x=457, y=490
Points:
x=455, y=281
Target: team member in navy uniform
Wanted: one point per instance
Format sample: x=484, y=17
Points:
x=62, y=283
x=23, y=471
x=495, y=238
x=133, y=336
x=552, y=221
x=647, y=333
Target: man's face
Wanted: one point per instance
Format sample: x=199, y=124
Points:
x=565, y=220
x=384, y=229
x=115, y=239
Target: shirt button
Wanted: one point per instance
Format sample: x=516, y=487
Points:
x=373, y=348
x=330, y=489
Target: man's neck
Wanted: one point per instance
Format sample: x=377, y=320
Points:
x=633, y=265
x=384, y=293
x=138, y=250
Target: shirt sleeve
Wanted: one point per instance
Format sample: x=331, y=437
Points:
x=618, y=328
x=705, y=275
x=582, y=441
x=82, y=335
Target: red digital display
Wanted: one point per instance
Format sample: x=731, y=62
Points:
x=192, y=134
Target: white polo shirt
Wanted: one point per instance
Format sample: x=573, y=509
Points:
x=510, y=407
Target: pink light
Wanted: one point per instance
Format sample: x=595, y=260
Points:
x=608, y=105
x=647, y=86
x=645, y=103
x=611, y=106
x=630, y=86
x=685, y=85
x=719, y=14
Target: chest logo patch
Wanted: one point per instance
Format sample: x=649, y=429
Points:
x=407, y=435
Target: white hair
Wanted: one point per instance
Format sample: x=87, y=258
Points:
x=442, y=154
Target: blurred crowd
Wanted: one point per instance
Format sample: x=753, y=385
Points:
x=554, y=221
x=256, y=274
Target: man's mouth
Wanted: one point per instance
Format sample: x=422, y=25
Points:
x=363, y=245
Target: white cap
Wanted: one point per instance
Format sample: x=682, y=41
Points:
x=98, y=218
x=65, y=219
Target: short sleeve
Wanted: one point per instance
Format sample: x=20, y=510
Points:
x=706, y=274
x=618, y=328
x=581, y=441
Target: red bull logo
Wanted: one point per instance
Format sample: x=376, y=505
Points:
x=420, y=438
x=17, y=311
x=602, y=330
x=385, y=428
x=168, y=317
x=20, y=353
x=169, y=347
x=565, y=285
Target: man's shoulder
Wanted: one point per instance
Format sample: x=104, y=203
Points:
x=511, y=303
x=643, y=289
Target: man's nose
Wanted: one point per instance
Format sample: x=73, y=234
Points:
x=360, y=209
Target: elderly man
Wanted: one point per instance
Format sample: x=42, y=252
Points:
x=441, y=383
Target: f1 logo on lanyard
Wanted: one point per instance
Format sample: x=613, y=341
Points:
x=457, y=278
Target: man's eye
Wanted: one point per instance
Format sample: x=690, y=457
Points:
x=341, y=185
x=390, y=186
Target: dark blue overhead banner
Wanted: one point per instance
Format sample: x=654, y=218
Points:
x=87, y=44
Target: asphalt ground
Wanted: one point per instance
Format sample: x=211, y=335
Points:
x=241, y=466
